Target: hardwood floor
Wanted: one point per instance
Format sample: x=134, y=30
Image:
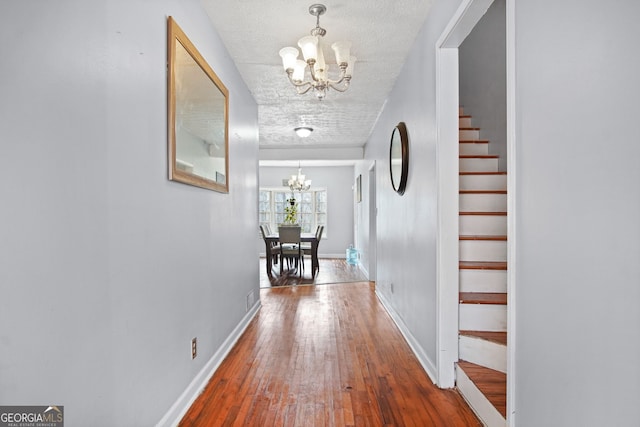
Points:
x=333, y=270
x=324, y=356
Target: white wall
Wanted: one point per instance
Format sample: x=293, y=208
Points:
x=338, y=180
x=483, y=86
x=578, y=210
x=107, y=269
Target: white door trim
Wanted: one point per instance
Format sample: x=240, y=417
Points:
x=447, y=235
x=511, y=209
x=373, y=223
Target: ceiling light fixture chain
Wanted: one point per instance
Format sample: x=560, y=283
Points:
x=313, y=54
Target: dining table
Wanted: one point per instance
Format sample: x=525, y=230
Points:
x=270, y=239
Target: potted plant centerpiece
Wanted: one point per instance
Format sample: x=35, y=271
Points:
x=291, y=212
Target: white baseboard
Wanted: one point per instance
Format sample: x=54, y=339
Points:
x=329, y=256
x=186, y=399
x=363, y=270
x=427, y=364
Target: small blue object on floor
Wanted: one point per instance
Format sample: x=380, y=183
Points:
x=352, y=255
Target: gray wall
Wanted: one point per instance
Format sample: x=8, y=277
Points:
x=483, y=79
x=338, y=180
x=577, y=198
x=406, y=225
x=578, y=210
x=107, y=269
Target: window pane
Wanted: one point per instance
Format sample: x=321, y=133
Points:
x=312, y=208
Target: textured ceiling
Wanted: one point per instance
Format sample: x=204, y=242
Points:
x=381, y=32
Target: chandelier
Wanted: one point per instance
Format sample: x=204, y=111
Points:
x=298, y=182
x=313, y=54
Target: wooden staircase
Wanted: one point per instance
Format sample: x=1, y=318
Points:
x=481, y=373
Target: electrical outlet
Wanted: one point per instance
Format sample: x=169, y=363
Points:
x=194, y=348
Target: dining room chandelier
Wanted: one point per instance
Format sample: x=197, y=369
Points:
x=299, y=182
x=312, y=51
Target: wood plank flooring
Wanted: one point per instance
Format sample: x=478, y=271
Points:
x=325, y=355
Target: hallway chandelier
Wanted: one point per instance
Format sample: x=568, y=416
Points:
x=313, y=54
x=298, y=182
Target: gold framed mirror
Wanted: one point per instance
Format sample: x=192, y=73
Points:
x=399, y=158
x=198, y=117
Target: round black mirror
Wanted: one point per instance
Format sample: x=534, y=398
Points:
x=399, y=158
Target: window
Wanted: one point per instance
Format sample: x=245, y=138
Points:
x=312, y=208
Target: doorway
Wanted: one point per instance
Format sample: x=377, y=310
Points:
x=373, y=214
x=447, y=99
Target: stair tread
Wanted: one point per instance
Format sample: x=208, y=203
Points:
x=492, y=298
x=492, y=383
x=496, y=337
x=483, y=173
x=484, y=237
x=464, y=116
x=473, y=141
x=479, y=156
x=483, y=265
x=469, y=128
x=483, y=191
x=484, y=213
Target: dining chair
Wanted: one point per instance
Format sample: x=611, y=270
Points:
x=289, y=238
x=275, y=248
x=307, y=248
x=267, y=229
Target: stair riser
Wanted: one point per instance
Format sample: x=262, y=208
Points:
x=483, y=182
x=483, y=280
x=464, y=122
x=483, y=352
x=483, y=225
x=478, y=165
x=474, y=148
x=483, y=202
x=469, y=134
x=483, y=317
x=478, y=402
x=483, y=250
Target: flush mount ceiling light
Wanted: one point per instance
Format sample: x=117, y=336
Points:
x=303, y=131
x=313, y=54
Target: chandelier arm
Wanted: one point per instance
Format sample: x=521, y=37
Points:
x=301, y=91
x=341, y=77
x=340, y=80
x=293, y=82
x=338, y=88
